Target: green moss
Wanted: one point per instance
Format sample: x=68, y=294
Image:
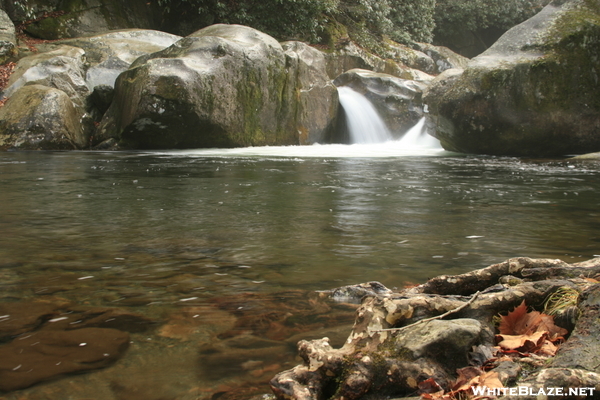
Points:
x=250, y=100
x=51, y=28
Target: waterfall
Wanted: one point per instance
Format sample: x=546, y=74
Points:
x=417, y=137
x=364, y=124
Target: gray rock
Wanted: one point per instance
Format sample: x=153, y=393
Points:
x=48, y=121
x=109, y=54
x=403, y=62
x=398, y=101
x=61, y=68
x=533, y=93
x=443, y=57
x=8, y=38
x=448, y=341
x=355, y=293
x=588, y=156
x=318, y=101
x=223, y=86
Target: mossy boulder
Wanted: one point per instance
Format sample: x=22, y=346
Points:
x=61, y=68
x=8, y=39
x=533, y=93
x=108, y=54
x=90, y=17
x=40, y=117
x=223, y=86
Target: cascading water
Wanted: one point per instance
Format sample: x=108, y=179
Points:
x=364, y=124
x=417, y=137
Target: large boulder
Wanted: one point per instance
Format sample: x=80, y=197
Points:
x=39, y=117
x=8, y=38
x=406, y=63
x=108, y=54
x=85, y=70
x=398, y=101
x=223, y=86
x=317, y=96
x=533, y=93
x=61, y=68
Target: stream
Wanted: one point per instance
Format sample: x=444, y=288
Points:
x=226, y=250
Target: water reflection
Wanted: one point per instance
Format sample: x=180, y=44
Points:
x=223, y=253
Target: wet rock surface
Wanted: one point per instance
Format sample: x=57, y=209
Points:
x=50, y=121
x=222, y=86
x=8, y=38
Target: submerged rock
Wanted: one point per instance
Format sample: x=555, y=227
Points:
x=223, y=86
x=44, y=355
x=533, y=93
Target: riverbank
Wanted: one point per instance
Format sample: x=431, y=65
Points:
x=526, y=323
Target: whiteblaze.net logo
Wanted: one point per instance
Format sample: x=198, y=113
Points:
x=529, y=391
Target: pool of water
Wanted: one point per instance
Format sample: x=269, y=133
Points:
x=225, y=249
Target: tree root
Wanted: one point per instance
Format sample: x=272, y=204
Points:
x=399, y=340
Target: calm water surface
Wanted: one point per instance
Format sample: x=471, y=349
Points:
x=225, y=249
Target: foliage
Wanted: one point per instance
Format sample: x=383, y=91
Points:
x=455, y=16
x=283, y=19
x=413, y=20
x=23, y=8
x=366, y=20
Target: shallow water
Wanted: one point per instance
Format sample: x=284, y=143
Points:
x=224, y=249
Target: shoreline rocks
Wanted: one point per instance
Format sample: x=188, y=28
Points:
x=400, y=346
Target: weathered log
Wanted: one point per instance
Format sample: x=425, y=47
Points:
x=484, y=278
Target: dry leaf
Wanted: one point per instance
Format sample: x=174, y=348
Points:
x=430, y=386
x=465, y=375
x=521, y=322
x=508, y=323
x=522, y=343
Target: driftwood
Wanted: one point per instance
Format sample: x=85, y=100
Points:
x=400, y=340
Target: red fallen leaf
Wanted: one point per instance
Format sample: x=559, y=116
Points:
x=465, y=375
x=508, y=323
x=489, y=380
x=435, y=396
x=521, y=322
x=430, y=386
